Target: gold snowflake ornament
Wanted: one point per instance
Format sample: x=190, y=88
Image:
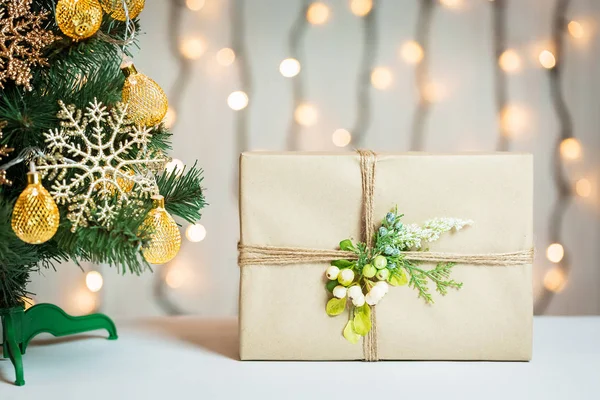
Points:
x=22, y=39
x=101, y=161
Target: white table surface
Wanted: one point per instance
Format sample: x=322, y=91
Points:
x=193, y=358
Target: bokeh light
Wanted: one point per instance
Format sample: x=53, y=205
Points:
x=570, y=149
x=510, y=61
x=192, y=47
x=555, y=279
x=555, y=252
x=381, y=78
x=411, y=52
x=195, y=233
x=195, y=5
x=175, y=277
x=576, y=29
x=547, y=59
x=583, y=187
x=514, y=119
x=434, y=92
x=170, y=117
x=453, y=4
x=174, y=166
x=28, y=302
x=317, y=13
x=341, y=137
x=306, y=114
x=289, y=67
x=84, y=301
x=237, y=100
x=94, y=281
x=225, y=56
x=360, y=8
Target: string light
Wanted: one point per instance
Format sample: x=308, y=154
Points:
x=453, y=4
x=85, y=301
x=513, y=119
x=583, y=187
x=360, y=8
x=175, y=278
x=570, y=149
x=510, y=61
x=174, y=166
x=381, y=78
x=317, y=13
x=434, y=92
x=306, y=114
x=547, y=59
x=555, y=252
x=195, y=5
x=94, y=281
x=575, y=29
x=341, y=137
x=555, y=280
x=411, y=52
x=192, y=47
x=170, y=117
x=195, y=233
x=237, y=100
x=289, y=67
x=225, y=57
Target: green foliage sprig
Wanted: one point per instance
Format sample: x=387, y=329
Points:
x=366, y=280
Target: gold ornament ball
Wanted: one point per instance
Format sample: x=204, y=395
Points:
x=79, y=19
x=115, y=8
x=35, y=217
x=147, y=103
x=165, y=239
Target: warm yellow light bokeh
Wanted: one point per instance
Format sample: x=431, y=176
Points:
x=570, y=149
x=434, y=92
x=454, y=4
x=514, y=119
x=192, y=47
x=360, y=8
x=547, y=59
x=575, y=29
x=289, y=67
x=237, y=100
x=510, y=61
x=170, y=117
x=225, y=56
x=175, y=277
x=195, y=5
x=27, y=302
x=175, y=165
x=555, y=280
x=341, y=137
x=195, y=233
x=583, y=187
x=94, y=281
x=555, y=252
x=317, y=13
x=381, y=78
x=306, y=114
x=85, y=301
x=411, y=52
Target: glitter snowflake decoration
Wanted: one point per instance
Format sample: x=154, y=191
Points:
x=100, y=162
x=22, y=39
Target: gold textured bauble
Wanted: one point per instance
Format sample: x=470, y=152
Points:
x=78, y=19
x=35, y=217
x=147, y=103
x=115, y=8
x=165, y=239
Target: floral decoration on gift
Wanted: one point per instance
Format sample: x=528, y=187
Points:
x=362, y=283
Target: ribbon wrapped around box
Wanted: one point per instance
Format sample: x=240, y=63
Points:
x=295, y=208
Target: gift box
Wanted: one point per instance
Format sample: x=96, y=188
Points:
x=295, y=204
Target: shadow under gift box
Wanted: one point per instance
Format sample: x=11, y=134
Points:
x=314, y=200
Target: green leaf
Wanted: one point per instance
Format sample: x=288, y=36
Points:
x=362, y=320
x=398, y=278
x=331, y=284
x=335, y=306
x=350, y=334
x=342, y=263
x=347, y=245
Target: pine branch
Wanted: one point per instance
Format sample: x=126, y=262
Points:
x=440, y=275
x=183, y=193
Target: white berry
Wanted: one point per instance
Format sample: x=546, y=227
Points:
x=371, y=300
x=384, y=285
x=346, y=277
x=377, y=291
x=339, y=291
x=355, y=292
x=358, y=301
x=332, y=273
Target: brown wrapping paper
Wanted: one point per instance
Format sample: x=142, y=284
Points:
x=313, y=200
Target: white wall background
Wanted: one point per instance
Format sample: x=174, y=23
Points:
x=461, y=60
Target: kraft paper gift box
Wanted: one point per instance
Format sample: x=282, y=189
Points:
x=314, y=200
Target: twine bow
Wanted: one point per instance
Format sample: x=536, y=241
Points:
x=272, y=255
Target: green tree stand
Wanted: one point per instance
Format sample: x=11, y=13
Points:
x=20, y=326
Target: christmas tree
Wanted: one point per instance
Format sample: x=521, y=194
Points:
x=90, y=127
